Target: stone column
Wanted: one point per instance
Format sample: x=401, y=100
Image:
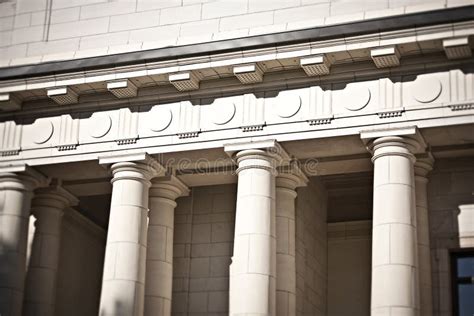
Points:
x=40, y=287
x=253, y=268
x=423, y=166
x=16, y=190
x=394, y=253
x=286, y=184
x=123, y=283
x=159, y=261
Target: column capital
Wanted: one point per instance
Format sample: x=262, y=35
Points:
x=290, y=176
x=139, y=166
x=424, y=164
x=410, y=135
x=22, y=177
x=263, y=154
x=54, y=196
x=271, y=147
x=403, y=141
x=169, y=186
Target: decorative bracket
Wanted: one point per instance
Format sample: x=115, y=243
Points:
x=321, y=120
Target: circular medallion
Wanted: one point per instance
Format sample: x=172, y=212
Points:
x=223, y=112
x=43, y=130
x=356, y=98
x=160, y=118
x=99, y=125
x=288, y=105
x=426, y=90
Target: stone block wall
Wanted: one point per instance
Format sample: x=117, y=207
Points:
x=33, y=31
x=349, y=268
x=203, y=243
x=80, y=266
x=311, y=250
x=451, y=209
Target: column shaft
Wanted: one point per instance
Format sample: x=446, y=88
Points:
x=394, y=261
x=253, y=268
x=422, y=168
x=123, y=284
x=40, y=293
x=159, y=262
x=15, y=200
x=286, y=245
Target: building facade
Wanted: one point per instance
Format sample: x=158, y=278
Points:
x=240, y=157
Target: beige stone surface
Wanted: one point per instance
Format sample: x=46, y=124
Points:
x=245, y=241
x=448, y=176
x=159, y=259
x=16, y=193
x=311, y=249
x=84, y=20
x=286, y=184
x=349, y=268
x=201, y=265
x=423, y=166
x=395, y=280
x=253, y=268
x=42, y=271
x=123, y=283
x=78, y=280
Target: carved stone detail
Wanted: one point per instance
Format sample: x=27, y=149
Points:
x=67, y=147
x=10, y=138
x=390, y=113
x=43, y=130
x=288, y=105
x=427, y=90
x=253, y=118
x=356, y=97
x=160, y=118
x=100, y=124
x=223, y=112
x=461, y=106
x=126, y=141
x=68, y=133
x=390, y=94
x=321, y=121
x=127, y=127
x=461, y=86
x=188, y=134
x=319, y=106
x=252, y=128
x=189, y=120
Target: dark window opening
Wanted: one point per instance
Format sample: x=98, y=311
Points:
x=462, y=269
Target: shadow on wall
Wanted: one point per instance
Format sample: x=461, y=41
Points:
x=118, y=310
x=7, y=277
x=451, y=216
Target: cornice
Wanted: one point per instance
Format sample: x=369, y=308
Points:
x=217, y=66
x=350, y=29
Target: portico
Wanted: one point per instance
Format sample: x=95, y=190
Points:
x=319, y=171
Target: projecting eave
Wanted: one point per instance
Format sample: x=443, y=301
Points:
x=385, y=43
x=317, y=34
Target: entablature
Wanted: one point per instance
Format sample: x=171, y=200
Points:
x=377, y=50
x=433, y=99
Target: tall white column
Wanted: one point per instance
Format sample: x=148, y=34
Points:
x=253, y=268
x=159, y=262
x=423, y=166
x=16, y=191
x=40, y=287
x=286, y=183
x=394, y=243
x=123, y=284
